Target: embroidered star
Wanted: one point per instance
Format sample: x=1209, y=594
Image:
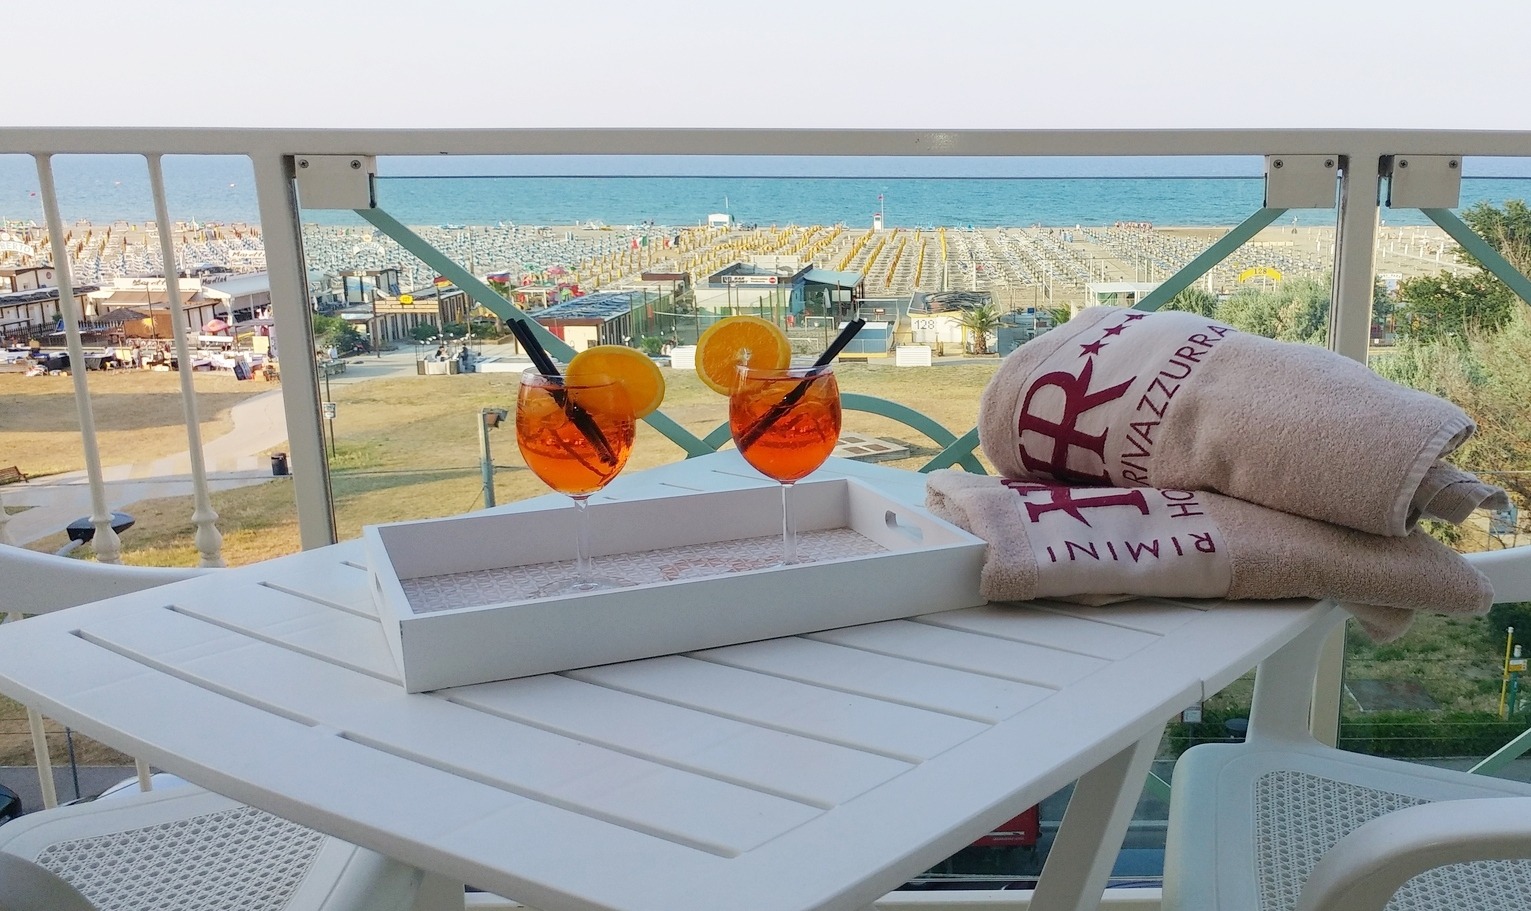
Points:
x=1132, y=316
x=1092, y=348
x=1115, y=330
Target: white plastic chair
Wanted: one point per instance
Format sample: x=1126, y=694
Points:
x=186, y=848
x=39, y=583
x=183, y=848
x=1282, y=821
x=28, y=887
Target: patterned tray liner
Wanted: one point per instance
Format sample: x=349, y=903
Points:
x=428, y=594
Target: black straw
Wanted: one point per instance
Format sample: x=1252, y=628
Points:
x=841, y=340
x=534, y=349
x=545, y=366
x=796, y=393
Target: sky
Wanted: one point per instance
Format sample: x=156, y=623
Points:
x=812, y=64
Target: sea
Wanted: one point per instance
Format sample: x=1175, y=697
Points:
x=684, y=190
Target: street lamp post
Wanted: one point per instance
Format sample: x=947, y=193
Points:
x=488, y=418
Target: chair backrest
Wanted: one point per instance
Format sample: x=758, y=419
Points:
x=37, y=583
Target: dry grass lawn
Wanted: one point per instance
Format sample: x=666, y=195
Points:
x=137, y=413
x=407, y=447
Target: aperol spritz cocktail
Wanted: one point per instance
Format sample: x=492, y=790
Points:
x=785, y=423
x=575, y=436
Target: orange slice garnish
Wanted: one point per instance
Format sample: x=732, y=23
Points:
x=734, y=340
x=634, y=370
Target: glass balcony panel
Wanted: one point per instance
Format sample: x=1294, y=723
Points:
x=1444, y=692
x=126, y=319
x=1025, y=238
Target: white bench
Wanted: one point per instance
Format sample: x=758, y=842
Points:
x=683, y=357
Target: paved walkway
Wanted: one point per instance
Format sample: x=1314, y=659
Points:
x=235, y=459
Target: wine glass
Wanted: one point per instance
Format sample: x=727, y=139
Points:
x=575, y=436
x=785, y=423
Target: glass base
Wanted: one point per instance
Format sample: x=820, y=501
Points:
x=577, y=586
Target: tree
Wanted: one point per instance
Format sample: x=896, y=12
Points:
x=1195, y=299
x=980, y=321
x=1507, y=230
x=1449, y=306
x=1487, y=375
x=1295, y=311
x=334, y=332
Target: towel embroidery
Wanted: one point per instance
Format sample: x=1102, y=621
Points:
x=1112, y=540
x=1063, y=430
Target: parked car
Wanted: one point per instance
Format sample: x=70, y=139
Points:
x=10, y=804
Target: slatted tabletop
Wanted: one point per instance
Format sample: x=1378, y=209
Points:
x=808, y=772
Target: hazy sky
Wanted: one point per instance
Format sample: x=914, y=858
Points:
x=782, y=63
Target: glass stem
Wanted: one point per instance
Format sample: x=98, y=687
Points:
x=788, y=526
x=584, y=569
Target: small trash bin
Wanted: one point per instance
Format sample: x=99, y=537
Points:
x=278, y=464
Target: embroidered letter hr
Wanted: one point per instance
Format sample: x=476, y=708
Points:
x=1065, y=432
x=1063, y=500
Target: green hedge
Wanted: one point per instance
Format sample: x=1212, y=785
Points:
x=1401, y=734
x=1416, y=734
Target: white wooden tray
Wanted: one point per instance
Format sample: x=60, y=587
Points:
x=458, y=596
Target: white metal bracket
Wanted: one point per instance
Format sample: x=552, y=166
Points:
x=335, y=181
x=1301, y=181
x=1424, y=182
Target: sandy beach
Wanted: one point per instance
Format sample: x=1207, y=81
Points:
x=1018, y=266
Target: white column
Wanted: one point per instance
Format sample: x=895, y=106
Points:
x=294, y=333
x=204, y=518
x=1355, y=250
x=1350, y=318
x=107, y=544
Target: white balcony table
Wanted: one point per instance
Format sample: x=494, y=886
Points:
x=809, y=772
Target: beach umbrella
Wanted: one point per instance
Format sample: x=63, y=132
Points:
x=214, y=326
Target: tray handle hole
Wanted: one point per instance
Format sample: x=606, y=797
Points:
x=912, y=532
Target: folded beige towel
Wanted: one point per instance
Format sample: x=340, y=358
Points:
x=1124, y=398
x=1055, y=541
x=1450, y=494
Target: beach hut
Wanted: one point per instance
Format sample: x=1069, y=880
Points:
x=1113, y=294
x=602, y=318
x=839, y=291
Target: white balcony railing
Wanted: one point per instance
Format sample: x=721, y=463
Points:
x=1358, y=163
x=1361, y=168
